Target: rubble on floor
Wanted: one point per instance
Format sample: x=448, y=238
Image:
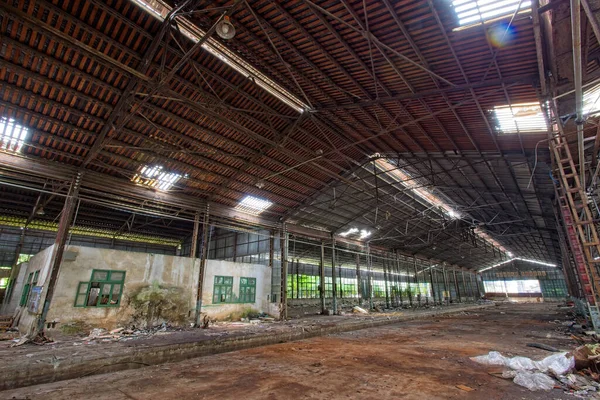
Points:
x=577, y=371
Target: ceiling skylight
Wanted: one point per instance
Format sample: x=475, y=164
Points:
x=359, y=234
x=349, y=232
x=253, y=205
x=519, y=259
x=155, y=177
x=591, y=101
x=12, y=135
x=160, y=10
x=416, y=187
x=520, y=118
x=471, y=12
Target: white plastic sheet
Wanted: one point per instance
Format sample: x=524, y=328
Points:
x=531, y=374
x=534, y=380
x=557, y=364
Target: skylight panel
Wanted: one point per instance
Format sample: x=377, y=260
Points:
x=12, y=135
x=591, y=101
x=520, y=118
x=471, y=12
x=253, y=205
x=155, y=177
x=405, y=178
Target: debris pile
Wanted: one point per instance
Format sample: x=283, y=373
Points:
x=121, y=334
x=575, y=372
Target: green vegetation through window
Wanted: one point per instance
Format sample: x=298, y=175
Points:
x=103, y=290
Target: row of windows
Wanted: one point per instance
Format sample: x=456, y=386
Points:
x=300, y=286
x=223, y=290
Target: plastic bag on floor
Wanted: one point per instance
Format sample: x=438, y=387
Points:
x=557, y=364
x=534, y=380
x=493, y=358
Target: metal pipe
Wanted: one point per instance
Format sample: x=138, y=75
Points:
x=577, y=82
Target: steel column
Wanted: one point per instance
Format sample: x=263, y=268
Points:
x=202, y=269
x=64, y=224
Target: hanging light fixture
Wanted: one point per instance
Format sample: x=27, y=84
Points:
x=225, y=28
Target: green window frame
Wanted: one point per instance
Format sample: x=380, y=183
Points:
x=26, y=290
x=32, y=281
x=104, y=289
x=247, y=290
x=223, y=290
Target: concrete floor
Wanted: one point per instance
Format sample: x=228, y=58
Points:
x=422, y=359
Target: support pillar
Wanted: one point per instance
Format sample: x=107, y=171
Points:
x=385, y=279
x=194, y=244
x=322, y=277
x=201, y=272
x=358, y=281
x=64, y=223
x=333, y=276
x=410, y=296
x=370, y=277
x=456, y=286
x=284, y=270
x=399, y=271
x=417, y=285
x=447, y=295
x=432, y=284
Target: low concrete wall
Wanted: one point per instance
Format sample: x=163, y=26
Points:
x=157, y=288
x=90, y=363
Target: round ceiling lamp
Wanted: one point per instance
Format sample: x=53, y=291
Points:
x=225, y=29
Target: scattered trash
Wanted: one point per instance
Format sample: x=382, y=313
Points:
x=528, y=373
x=557, y=364
x=465, y=388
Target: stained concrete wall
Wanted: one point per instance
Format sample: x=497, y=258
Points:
x=158, y=288
x=237, y=270
x=17, y=290
x=40, y=262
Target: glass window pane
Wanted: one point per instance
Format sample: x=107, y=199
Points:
x=117, y=276
x=80, y=301
x=100, y=276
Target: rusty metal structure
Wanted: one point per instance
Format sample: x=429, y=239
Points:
x=298, y=108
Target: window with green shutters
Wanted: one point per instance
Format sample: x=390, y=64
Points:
x=103, y=290
x=32, y=281
x=26, y=290
x=223, y=289
x=247, y=290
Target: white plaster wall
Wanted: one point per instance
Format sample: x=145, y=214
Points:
x=39, y=262
x=238, y=270
x=16, y=290
x=141, y=270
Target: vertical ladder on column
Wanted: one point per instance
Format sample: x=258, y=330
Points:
x=579, y=224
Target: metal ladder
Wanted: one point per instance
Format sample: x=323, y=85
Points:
x=579, y=222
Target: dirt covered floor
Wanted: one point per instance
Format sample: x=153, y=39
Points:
x=423, y=359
